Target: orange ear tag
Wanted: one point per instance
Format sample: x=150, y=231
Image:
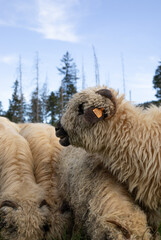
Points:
x=98, y=112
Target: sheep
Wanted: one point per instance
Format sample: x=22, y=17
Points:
x=23, y=208
x=101, y=205
x=9, y=123
x=128, y=139
x=45, y=149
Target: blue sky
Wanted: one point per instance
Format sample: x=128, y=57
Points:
x=116, y=28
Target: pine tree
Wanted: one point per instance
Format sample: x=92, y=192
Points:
x=69, y=81
x=33, y=110
x=59, y=103
x=157, y=81
x=2, y=113
x=52, y=108
x=13, y=112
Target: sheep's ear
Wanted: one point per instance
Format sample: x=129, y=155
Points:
x=94, y=115
x=105, y=93
x=108, y=94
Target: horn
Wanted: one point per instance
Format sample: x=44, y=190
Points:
x=108, y=94
x=124, y=231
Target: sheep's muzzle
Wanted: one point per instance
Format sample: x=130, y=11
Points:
x=62, y=134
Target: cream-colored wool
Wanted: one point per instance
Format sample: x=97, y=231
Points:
x=101, y=205
x=9, y=123
x=45, y=150
x=128, y=140
x=23, y=213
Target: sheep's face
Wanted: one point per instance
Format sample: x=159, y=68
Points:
x=24, y=221
x=85, y=119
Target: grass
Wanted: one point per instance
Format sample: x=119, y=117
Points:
x=159, y=230
x=76, y=236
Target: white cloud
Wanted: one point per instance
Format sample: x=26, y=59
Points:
x=8, y=59
x=54, y=19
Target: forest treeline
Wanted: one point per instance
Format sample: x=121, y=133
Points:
x=43, y=106
x=47, y=107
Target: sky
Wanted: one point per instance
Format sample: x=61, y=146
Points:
x=126, y=35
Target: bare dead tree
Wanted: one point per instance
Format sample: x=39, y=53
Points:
x=37, y=85
x=97, y=77
x=130, y=99
x=44, y=96
x=21, y=93
x=123, y=73
x=108, y=80
x=83, y=76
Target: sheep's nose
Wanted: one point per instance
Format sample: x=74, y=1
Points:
x=60, y=132
x=63, y=135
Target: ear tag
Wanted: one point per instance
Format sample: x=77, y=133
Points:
x=98, y=112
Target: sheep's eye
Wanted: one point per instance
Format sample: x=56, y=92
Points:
x=80, y=109
x=44, y=203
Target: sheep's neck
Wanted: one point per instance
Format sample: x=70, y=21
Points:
x=134, y=153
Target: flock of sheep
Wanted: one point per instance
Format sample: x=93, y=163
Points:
x=106, y=183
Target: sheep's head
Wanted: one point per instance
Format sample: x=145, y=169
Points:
x=25, y=220
x=86, y=118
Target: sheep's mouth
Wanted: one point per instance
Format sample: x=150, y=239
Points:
x=63, y=135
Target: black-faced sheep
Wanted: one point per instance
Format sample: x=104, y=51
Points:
x=100, y=204
x=45, y=149
x=23, y=208
x=127, y=138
